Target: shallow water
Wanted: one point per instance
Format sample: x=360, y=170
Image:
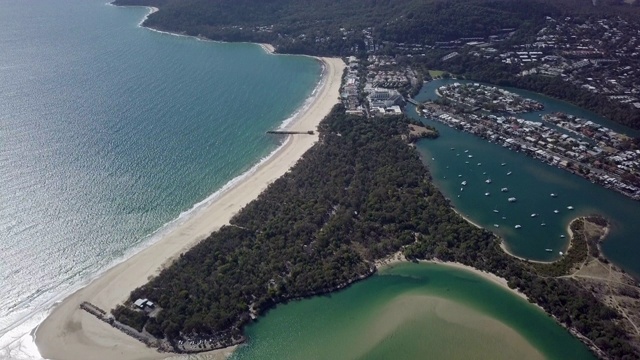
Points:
x=411, y=311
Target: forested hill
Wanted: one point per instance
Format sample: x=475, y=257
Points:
x=315, y=231
x=337, y=28
x=330, y=27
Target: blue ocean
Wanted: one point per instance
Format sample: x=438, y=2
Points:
x=110, y=134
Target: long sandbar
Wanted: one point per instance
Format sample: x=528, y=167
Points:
x=70, y=333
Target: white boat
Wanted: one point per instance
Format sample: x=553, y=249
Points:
x=512, y=199
x=495, y=211
x=453, y=148
x=486, y=194
x=561, y=253
x=562, y=236
x=470, y=156
x=496, y=225
x=548, y=250
x=466, y=151
x=517, y=226
x=554, y=195
x=504, y=218
x=504, y=189
x=459, y=175
x=509, y=173
x=534, y=215
x=466, y=162
x=484, y=173
x=479, y=164
x=570, y=207
x=503, y=164
x=488, y=181
x=543, y=224
x=556, y=211
x=464, y=183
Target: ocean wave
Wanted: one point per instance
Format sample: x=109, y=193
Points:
x=308, y=102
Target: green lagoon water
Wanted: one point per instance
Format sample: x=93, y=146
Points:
x=394, y=315
x=111, y=134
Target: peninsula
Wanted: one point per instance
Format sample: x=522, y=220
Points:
x=310, y=233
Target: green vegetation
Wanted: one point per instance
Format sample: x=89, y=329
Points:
x=133, y=318
x=314, y=26
x=436, y=73
x=313, y=231
x=575, y=255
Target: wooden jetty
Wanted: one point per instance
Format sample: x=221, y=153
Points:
x=284, y=132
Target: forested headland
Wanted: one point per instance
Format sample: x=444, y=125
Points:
x=313, y=231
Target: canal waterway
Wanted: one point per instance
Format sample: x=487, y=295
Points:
x=412, y=311
x=531, y=182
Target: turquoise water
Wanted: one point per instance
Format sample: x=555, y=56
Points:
x=531, y=182
x=109, y=131
x=344, y=325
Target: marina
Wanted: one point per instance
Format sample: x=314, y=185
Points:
x=532, y=184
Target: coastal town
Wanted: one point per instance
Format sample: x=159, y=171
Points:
x=582, y=147
x=378, y=86
x=600, y=55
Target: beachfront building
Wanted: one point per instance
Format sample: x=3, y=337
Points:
x=144, y=304
x=385, y=101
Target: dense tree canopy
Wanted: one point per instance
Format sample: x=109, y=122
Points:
x=315, y=231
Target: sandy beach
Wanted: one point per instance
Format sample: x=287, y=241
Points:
x=399, y=258
x=70, y=333
x=565, y=249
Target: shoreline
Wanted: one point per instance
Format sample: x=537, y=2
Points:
x=268, y=48
x=398, y=258
x=71, y=333
x=505, y=248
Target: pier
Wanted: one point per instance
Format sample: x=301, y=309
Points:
x=285, y=132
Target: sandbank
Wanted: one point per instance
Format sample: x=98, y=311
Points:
x=442, y=322
x=71, y=333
